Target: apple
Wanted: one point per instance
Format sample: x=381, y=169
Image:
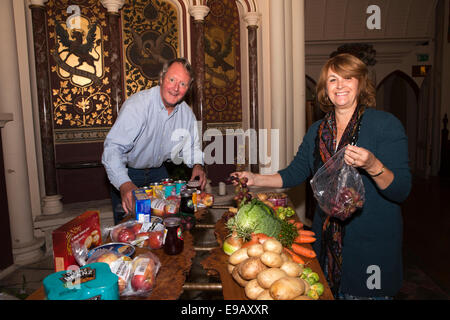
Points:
x=136, y=228
x=141, y=282
x=155, y=240
x=143, y=274
x=146, y=241
x=115, y=232
x=126, y=235
x=108, y=258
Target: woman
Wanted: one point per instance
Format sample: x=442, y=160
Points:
x=361, y=256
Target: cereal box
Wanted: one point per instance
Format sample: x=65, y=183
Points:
x=84, y=229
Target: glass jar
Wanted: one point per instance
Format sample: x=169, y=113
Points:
x=174, y=243
x=186, y=202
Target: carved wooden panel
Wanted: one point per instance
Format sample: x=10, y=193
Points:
x=79, y=73
x=150, y=38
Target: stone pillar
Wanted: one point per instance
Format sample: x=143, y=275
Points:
x=117, y=96
x=299, y=97
x=278, y=83
x=252, y=19
x=199, y=12
x=52, y=201
x=299, y=75
x=26, y=248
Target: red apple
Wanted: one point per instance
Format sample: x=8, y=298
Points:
x=136, y=228
x=115, y=232
x=126, y=235
x=145, y=242
x=155, y=240
x=141, y=282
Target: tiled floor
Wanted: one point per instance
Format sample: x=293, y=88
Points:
x=426, y=246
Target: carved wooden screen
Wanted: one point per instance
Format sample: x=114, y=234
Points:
x=151, y=36
x=80, y=86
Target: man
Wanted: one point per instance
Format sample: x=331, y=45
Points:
x=140, y=140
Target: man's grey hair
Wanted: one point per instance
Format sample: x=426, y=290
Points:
x=184, y=62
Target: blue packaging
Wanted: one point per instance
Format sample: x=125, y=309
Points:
x=94, y=281
x=143, y=208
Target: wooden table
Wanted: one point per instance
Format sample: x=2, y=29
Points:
x=171, y=275
x=217, y=262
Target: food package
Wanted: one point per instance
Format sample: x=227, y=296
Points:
x=144, y=269
x=338, y=187
x=119, y=264
x=84, y=229
x=164, y=207
x=205, y=199
x=93, y=281
x=139, y=234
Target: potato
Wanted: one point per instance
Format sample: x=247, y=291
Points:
x=253, y=289
x=237, y=277
x=273, y=245
x=230, y=267
x=250, y=268
x=307, y=286
x=292, y=269
x=265, y=295
x=303, y=297
x=287, y=288
x=255, y=250
x=271, y=259
x=238, y=256
x=285, y=257
x=267, y=277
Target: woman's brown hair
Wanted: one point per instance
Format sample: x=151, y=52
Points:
x=347, y=66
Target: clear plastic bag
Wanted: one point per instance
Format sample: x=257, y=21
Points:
x=338, y=187
x=144, y=269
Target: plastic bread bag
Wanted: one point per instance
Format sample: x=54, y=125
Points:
x=144, y=269
x=338, y=187
x=119, y=264
x=80, y=253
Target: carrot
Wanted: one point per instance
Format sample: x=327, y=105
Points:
x=294, y=257
x=297, y=224
x=262, y=237
x=303, y=251
x=250, y=242
x=304, y=239
x=307, y=233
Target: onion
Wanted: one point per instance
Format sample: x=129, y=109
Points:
x=232, y=243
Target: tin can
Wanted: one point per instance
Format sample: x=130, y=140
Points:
x=166, y=181
x=169, y=190
x=194, y=184
x=148, y=190
x=180, y=185
x=157, y=189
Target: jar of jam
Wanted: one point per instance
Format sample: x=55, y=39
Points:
x=174, y=243
x=186, y=202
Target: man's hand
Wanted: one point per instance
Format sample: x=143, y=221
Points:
x=126, y=193
x=199, y=171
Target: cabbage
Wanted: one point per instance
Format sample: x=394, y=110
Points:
x=255, y=217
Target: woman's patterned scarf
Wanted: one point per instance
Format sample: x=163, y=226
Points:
x=333, y=229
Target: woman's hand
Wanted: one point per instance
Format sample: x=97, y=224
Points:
x=241, y=174
x=260, y=180
x=360, y=158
